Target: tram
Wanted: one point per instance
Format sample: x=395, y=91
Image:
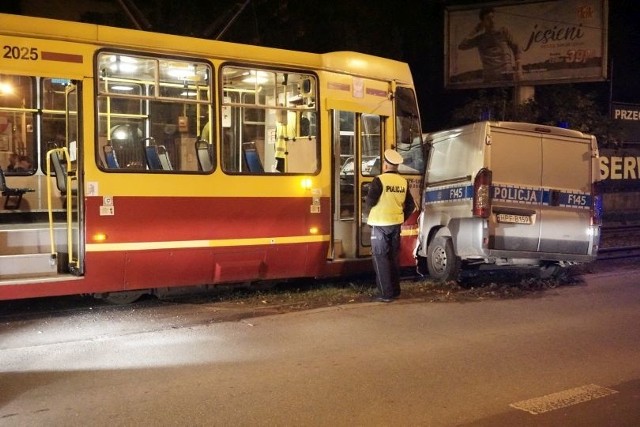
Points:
x=136, y=162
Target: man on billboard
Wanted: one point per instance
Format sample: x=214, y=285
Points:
x=499, y=53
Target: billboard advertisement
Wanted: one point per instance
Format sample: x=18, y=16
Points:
x=627, y=117
x=530, y=43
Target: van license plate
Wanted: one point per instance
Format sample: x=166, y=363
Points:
x=514, y=219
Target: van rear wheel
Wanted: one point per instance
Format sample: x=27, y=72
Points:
x=548, y=271
x=442, y=262
x=553, y=271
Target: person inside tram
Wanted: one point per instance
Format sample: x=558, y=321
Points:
x=13, y=162
x=24, y=164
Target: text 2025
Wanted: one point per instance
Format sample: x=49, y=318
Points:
x=17, y=52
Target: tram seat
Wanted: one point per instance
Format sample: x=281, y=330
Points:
x=110, y=157
x=251, y=157
x=152, y=157
x=57, y=161
x=204, y=154
x=163, y=156
x=13, y=196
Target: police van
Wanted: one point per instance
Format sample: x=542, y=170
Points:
x=507, y=194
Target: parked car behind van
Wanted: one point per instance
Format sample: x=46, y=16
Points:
x=507, y=194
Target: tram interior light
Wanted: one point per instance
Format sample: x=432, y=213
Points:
x=120, y=132
x=122, y=88
x=6, y=89
x=258, y=77
x=183, y=73
x=123, y=64
x=125, y=133
x=123, y=68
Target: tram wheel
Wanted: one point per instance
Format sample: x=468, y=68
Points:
x=121, y=298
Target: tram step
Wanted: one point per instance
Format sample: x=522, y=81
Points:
x=23, y=265
x=28, y=239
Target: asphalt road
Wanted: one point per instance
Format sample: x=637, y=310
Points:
x=568, y=356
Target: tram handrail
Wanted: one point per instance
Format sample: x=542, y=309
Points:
x=65, y=153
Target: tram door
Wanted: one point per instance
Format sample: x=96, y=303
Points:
x=76, y=207
x=357, y=146
x=66, y=164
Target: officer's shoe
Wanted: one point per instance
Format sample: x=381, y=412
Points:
x=383, y=299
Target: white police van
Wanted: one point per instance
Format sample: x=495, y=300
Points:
x=509, y=194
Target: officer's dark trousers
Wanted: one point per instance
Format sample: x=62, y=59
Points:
x=385, y=248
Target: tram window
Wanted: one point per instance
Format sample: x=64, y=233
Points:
x=153, y=105
x=54, y=121
x=116, y=105
x=270, y=125
x=182, y=80
x=371, y=141
x=408, y=132
x=17, y=117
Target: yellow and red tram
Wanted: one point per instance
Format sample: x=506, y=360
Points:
x=137, y=161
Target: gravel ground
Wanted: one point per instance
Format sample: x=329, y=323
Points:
x=235, y=303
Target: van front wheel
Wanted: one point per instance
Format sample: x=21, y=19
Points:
x=442, y=261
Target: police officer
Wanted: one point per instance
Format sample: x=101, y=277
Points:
x=391, y=204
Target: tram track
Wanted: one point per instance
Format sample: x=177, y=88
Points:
x=620, y=230
x=618, y=252
x=619, y=242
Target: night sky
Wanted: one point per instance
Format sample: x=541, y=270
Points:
x=624, y=50
x=406, y=30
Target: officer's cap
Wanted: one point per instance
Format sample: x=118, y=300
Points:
x=392, y=157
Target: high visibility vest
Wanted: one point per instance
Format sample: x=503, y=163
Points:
x=281, y=144
x=206, y=133
x=389, y=209
x=281, y=148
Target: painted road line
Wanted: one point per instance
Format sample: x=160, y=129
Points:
x=562, y=399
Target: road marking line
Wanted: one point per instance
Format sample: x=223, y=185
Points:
x=562, y=399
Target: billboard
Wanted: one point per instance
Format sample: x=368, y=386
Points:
x=627, y=117
x=530, y=43
x=619, y=170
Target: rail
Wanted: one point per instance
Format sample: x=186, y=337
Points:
x=67, y=176
x=619, y=252
x=622, y=229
